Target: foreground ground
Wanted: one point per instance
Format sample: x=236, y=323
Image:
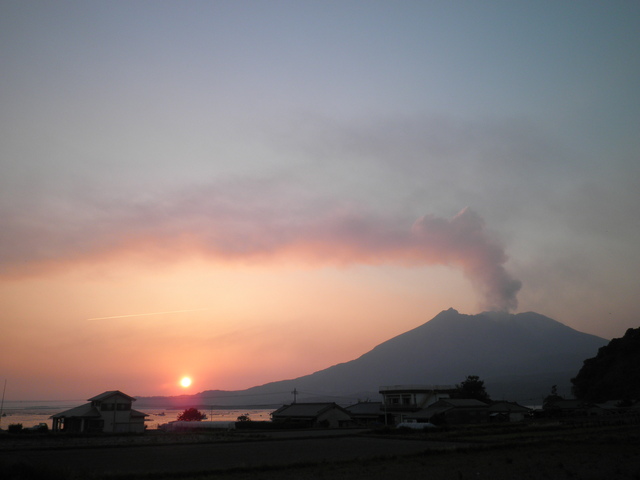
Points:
x=523, y=452
x=537, y=462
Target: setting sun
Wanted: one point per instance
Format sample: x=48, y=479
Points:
x=185, y=382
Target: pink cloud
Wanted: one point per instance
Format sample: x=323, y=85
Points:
x=232, y=224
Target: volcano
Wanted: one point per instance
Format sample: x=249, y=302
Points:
x=519, y=356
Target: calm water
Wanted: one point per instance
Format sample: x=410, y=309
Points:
x=32, y=413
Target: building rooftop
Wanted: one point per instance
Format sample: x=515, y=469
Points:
x=111, y=393
x=86, y=410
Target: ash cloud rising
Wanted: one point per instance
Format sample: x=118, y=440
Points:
x=464, y=242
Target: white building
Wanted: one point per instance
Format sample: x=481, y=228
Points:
x=109, y=412
x=400, y=401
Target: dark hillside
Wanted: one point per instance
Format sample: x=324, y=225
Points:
x=614, y=373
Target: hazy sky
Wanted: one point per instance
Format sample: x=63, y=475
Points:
x=297, y=181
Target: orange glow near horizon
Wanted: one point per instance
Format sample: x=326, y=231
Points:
x=209, y=319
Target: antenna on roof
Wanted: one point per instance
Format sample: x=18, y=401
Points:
x=295, y=395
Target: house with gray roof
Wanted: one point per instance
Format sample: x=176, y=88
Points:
x=504, y=411
x=367, y=413
x=453, y=411
x=312, y=415
x=108, y=412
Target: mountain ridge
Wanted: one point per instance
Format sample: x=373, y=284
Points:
x=517, y=355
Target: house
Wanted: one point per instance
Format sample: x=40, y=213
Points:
x=562, y=407
x=400, y=401
x=366, y=413
x=108, y=412
x=312, y=415
x=453, y=411
x=507, y=412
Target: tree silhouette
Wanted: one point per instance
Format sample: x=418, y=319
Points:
x=549, y=400
x=192, y=415
x=472, y=387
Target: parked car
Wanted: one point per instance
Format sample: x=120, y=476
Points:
x=40, y=428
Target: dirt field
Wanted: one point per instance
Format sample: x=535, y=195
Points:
x=608, y=453
x=553, y=461
x=522, y=453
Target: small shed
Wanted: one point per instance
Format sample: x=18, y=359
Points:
x=453, y=411
x=366, y=413
x=507, y=412
x=329, y=415
x=571, y=408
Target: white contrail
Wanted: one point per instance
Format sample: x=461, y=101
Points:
x=148, y=314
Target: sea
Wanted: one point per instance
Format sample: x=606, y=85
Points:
x=32, y=413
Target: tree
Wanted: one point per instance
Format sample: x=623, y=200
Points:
x=472, y=387
x=244, y=418
x=192, y=415
x=552, y=398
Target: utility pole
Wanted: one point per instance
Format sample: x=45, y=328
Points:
x=2, y=404
x=295, y=395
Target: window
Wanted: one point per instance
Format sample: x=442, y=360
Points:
x=123, y=406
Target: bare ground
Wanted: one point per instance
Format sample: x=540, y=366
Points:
x=611, y=452
x=536, y=462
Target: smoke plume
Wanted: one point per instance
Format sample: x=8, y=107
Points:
x=463, y=242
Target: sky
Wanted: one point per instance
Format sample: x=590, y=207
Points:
x=245, y=191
